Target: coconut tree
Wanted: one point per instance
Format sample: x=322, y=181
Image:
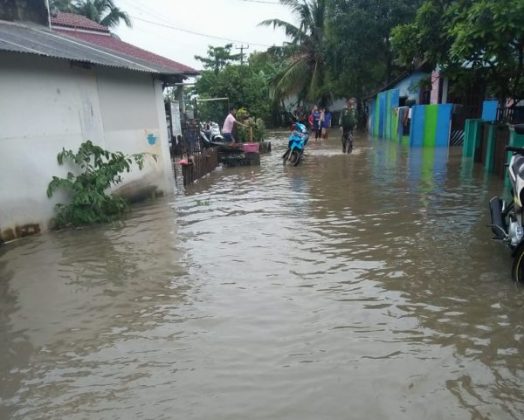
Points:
x=305, y=73
x=61, y=5
x=104, y=12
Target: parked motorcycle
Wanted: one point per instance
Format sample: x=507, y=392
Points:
x=507, y=219
x=210, y=134
x=296, y=143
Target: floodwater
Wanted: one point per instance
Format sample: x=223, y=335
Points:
x=351, y=287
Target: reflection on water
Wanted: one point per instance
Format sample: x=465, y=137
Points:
x=361, y=286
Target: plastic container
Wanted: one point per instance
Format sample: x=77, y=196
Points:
x=250, y=147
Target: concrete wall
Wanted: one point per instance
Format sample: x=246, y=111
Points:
x=48, y=104
x=133, y=119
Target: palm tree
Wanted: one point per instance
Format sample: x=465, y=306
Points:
x=102, y=11
x=61, y=5
x=305, y=73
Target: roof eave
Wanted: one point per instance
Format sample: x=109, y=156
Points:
x=29, y=40
x=171, y=78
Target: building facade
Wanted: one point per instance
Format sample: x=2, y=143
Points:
x=59, y=91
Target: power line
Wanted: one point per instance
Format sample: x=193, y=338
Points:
x=263, y=2
x=143, y=9
x=197, y=33
x=242, y=48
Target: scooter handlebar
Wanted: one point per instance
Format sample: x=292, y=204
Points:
x=519, y=150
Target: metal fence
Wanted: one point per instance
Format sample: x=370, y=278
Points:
x=189, y=142
x=199, y=164
x=511, y=115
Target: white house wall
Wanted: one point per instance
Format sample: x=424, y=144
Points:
x=164, y=152
x=134, y=120
x=47, y=105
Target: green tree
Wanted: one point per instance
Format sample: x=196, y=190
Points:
x=97, y=171
x=245, y=85
x=469, y=40
x=61, y=5
x=305, y=73
x=268, y=65
x=218, y=57
x=361, y=57
x=104, y=12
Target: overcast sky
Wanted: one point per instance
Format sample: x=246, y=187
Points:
x=154, y=22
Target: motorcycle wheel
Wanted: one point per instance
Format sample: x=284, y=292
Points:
x=295, y=157
x=517, y=269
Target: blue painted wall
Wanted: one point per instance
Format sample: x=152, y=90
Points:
x=430, y=125
x=489, y=110
x=410, y=85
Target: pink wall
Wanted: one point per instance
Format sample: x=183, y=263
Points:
x=435, y=82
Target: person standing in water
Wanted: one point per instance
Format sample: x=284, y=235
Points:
x=229, y=122
x=347, y=122
x=326, y=124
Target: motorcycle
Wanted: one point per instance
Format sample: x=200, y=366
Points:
x=507, y=219
x=297, y=141
x=210, y=134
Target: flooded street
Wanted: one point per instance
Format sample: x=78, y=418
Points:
x=362, y=286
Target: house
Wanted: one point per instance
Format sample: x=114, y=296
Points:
x=425, y=89
x=420, y=108
x=63, y=80
x=407, y=89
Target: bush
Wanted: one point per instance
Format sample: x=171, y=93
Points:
x=99, y=169
x=255, y=124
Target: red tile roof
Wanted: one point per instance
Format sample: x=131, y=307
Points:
x=89, y=31
x=70, y=20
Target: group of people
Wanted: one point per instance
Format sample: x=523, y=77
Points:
x=320, y=121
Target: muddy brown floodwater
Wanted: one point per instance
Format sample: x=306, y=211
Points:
x=351, y=287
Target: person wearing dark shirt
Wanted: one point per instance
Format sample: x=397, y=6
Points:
x=347, y=122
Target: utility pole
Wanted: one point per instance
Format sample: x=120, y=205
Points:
x=242, y=48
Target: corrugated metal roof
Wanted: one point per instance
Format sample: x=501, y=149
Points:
x=132, y=52
x=39, y=40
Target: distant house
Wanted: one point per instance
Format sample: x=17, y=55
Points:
x=423, y=86
x=413, y=87
x=65, y=80
x=406, y=90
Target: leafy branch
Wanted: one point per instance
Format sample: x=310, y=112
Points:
x=99, y=169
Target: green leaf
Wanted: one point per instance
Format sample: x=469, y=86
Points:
x=89, y=202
